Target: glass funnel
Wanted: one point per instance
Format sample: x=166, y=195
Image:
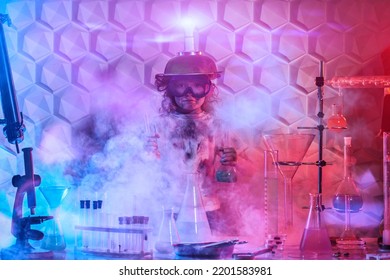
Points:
x=54, y=239
x=291, y=150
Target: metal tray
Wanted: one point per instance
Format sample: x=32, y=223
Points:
x=219, y=249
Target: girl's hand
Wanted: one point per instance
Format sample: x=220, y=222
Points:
x=151, y=145
x=228, y=156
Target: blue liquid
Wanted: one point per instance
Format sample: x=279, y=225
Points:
x=356, y=203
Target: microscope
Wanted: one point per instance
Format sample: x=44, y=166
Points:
x=14, y=132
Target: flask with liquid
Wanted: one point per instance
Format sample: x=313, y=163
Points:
x=226, y=172
x=192, y=223
x=337, y=121
x=315, y=242
x=347, y=185
x=167, y=233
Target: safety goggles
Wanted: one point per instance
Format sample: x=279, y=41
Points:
x=198, y=87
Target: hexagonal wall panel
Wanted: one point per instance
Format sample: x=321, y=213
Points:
x=237, y=14
x=271, y=14
x=237, y=74
x=127, y=14
x=271, y=73
x=358, y=40
x=37, y=41
x=37, y=104
x=91, y=14
x=22, y=13
x=308, y=14
x=290, y=42
x=108, y=42
x=73, y=104
x=165, y=14
x=128, y=73
x=72, y=42
x=253, y=42
x=142, y=44
x=326, y=42
x=288, y=105
x=55, y=13
x=54, y=72
x=23, y=72
x=219, y=46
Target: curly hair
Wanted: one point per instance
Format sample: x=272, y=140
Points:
x=168, y=103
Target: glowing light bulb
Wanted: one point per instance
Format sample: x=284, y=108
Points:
x=189, y=25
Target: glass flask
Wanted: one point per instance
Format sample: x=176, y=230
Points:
x=291, y=150
x=226, y=172
x=192, y=223
x=337, y=121
x=348, y=237
x=54, y=239
x=167, y=233
x=315, y=242
x=347, y=185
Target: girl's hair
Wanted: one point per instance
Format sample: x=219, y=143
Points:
x=168, y=104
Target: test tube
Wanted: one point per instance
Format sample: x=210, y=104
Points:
x=82, y=217
x=87, y=233
x=386, y=190
x=271, y=185
x=121, y=235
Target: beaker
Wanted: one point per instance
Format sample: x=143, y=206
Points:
x=54, y=239
x=167, y=233
x=226, y=172
x=192, y=223
x=386, y=191
x=315, y=242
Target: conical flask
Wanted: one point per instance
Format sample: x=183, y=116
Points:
x=54, y=238
x=167, y=234
x=315, y=242
x=347, y=185
x=192, y=223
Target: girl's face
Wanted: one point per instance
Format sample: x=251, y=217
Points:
x=189, y=92
x=189, y=104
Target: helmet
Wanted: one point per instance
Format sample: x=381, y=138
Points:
x=190, y=63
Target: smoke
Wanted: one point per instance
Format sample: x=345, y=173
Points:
x=110, y=162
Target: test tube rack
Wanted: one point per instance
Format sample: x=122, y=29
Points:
x=130, y=242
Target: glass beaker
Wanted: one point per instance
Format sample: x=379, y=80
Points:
x=167, y=233
x=192, y=223
x=54, y=239
x=315, y=242
x=386, y=191
x=291, y=151
x=226, y=172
